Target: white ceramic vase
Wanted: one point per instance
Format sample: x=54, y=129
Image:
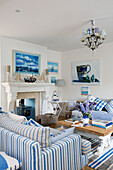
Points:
x=86, y=121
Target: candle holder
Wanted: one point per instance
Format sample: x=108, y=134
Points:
x=7, y=73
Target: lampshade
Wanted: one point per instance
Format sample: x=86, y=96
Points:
x=60, y=82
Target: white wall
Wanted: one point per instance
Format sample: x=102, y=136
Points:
x=7, y=45
x=0, y=72
x=105, y=54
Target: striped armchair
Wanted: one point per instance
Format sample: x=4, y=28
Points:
x=65, y=154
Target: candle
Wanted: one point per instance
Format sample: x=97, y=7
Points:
x=8, y=68
x=47, y=72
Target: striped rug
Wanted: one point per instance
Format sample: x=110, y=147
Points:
x=102, y=162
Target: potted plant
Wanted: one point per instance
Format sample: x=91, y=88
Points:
x=86, y=108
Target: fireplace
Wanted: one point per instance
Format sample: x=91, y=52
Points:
x=26, y=107
x=41, y=92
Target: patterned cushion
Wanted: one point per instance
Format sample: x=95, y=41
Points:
x=39, y=134
x=32, y=122
x=90, y=98
x=85, y=146
x=7, y=162
x=99, y=104
x=109, y=106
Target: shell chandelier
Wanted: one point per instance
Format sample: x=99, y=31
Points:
x=93, y=37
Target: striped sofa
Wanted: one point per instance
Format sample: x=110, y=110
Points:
x=65, y=154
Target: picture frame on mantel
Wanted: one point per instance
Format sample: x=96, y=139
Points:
x=86, y=72
x=53, y=80
x=26, y=63
x=53, y=67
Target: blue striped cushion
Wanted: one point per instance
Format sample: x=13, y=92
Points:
x=34, y=123
x=40, y=134
x=109, y=106
x=7, y=162
x=99, y=104
x=85, y=146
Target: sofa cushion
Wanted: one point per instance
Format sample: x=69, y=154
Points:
x=57, y=134
x=7, y=162
x=109, y=106
x=32, y=122
x=16, y=117
x=39, y=134
x=90, y=98
x=85, y=146
x=100, y=104
x=71, y=105
x=102, y=115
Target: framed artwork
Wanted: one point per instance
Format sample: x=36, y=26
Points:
x=84, y=90
x=52, y=67
x=53, y=79
x=26, y=63
x=86, y=72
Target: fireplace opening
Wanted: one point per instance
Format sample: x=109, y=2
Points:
x=26, y=107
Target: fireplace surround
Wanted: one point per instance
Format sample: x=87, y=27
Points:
x=41, y=92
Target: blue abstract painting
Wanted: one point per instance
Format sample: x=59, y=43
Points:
x=52, y=67
x=26, y=63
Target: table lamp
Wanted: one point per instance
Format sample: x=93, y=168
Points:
x=60, y=83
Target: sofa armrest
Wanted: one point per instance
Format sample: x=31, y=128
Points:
x=64, y=154
x=21, y=148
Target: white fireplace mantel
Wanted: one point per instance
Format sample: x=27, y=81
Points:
x=13, y=88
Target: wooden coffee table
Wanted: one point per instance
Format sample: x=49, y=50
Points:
x=93, y=132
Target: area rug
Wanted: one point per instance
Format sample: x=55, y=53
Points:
x=103, y=162
x=111, y=167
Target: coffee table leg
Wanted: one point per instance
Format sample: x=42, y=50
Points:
x=105, y=143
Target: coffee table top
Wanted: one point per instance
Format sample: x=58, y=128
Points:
x=91, y=129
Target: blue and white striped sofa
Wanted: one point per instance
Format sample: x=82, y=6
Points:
x=37, y=153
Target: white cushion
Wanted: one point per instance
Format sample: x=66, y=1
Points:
x=90, y=98
x=16, y=117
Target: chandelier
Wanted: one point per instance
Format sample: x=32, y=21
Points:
x=93, y=37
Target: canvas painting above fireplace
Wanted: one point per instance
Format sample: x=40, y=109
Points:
x=26, y=63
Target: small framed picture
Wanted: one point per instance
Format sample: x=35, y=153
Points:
x=53, y=67
x=84, y=90
x=53, y=80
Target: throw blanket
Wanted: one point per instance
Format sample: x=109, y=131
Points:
x=7, y=162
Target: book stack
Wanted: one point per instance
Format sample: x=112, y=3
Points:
x=73, y=120
x=101, y=123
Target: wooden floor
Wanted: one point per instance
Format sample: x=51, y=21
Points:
x=87, y=168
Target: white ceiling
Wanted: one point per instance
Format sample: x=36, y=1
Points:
x=57, y=24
